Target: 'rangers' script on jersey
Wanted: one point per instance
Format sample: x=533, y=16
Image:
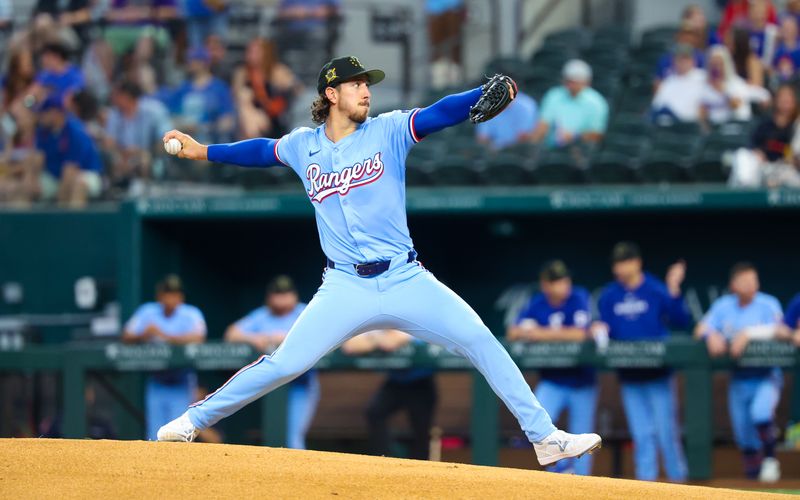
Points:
x=324, y=185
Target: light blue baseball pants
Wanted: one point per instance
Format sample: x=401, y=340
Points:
x=165, y=402
x=302, y=405
x=406, y=297
x=581, y=403
x=651, y=410
x=752, y=402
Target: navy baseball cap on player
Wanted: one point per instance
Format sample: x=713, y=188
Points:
x=625, y=250
x=554, y=270
x=281, y=284
x=343, y=69
x=170, y=284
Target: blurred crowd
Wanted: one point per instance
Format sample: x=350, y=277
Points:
x=89, y=87
x=742, y=72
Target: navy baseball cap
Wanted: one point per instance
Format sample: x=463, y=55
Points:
x=343, y=69
x=170, y=284
x=281, y=284
x=625, y=250
x=554, y=270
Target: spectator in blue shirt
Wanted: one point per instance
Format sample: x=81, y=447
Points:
x=168, y=320
x=58, y=76
x=72, y=164
x=733, y=321
x=413, y=390
x=573, y=112
x=560, y=313
x=205, y=18
x=264, y=329
x=637, y=306
x=203, y=106
x=134, y=127
x=517, y=123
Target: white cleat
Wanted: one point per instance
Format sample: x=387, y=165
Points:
x=560, y=445
x=770, y=470
x=180, y=429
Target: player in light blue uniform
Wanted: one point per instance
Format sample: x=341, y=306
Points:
x=265, y=328
x=753, y=393
x=353, y=170
x=560, y=313
x=168, y=320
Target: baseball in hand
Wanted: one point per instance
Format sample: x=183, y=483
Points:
x=173, y=146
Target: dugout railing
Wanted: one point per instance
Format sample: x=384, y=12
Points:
x=76, y=361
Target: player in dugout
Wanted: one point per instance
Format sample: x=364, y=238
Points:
x=560, y=313
x=353, y=170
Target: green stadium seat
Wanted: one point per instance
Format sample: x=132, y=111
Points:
x=418, y=175
x=665, y=167
x=455, y=172
x=709, y=167
x=507, y=169
x=612, y=167
x=629, y=145
x=575, y=37
x=558, y=167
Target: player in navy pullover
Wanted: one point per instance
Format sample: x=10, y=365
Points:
x=636, y=307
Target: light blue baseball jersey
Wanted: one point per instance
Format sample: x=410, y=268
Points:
x=728, y=317
x=356, y=185
x=262, y=320
x=185, y=319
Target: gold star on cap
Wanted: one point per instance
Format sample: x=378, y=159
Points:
x=331, y=75
x=355, y=62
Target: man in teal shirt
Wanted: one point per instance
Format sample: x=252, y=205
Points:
x=573, y=112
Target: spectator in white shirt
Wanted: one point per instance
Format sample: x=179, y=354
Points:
x=679, y=95
x=725, y=94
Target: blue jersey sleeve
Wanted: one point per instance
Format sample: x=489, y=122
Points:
x=261, y=152
x=252, y=323
x=139, y=321
x=580, y=314
x=197, y=322
x=289, y=147
x=792, y=317
x=605, y=307
x=446, y=112
x=399, y=129
x=526, y=312
x=714, y=316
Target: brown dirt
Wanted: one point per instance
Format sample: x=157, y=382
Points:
x=44, y=468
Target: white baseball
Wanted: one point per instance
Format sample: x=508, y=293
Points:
x=173, y=146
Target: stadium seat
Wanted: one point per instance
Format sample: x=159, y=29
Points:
x=507, y=169
x=665, y=167
x=611, y=167
x=455, y=171
x=578, y=36
x=682, y=144
x=709, y=167
x=625, y=144
x=558, y=167
x=418, y=175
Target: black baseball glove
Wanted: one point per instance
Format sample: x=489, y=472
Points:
x=496, y=94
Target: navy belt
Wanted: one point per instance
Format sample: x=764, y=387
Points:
x=370, y=269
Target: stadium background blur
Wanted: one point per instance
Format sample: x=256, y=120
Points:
x=87, y=229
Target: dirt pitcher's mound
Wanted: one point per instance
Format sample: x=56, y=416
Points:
x=43, y=468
